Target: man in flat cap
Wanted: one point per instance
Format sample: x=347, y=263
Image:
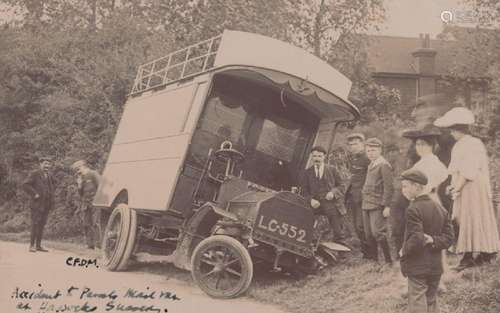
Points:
x=358, y=168
x=324, y=189
x=428, y=232
x=40, y=187
x=377, y=193
x=88, y=182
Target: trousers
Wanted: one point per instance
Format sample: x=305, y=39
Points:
x=354, y=203
x=91, y=225
x=375, y=225
x=422, y=294
x=38, y=221
x=337, y=224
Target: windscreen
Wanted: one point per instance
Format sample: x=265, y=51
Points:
x=271, y=131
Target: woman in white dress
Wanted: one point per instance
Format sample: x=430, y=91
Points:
x=471, y=190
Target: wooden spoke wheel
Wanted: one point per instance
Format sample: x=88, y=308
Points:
x=119, y=238
x=221, y=266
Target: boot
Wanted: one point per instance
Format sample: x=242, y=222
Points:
x=387, y=251
x=466, y=262
x=372, y=251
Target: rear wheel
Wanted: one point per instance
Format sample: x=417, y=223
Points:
x=119, y=237
x=222, y=267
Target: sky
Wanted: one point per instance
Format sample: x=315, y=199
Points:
x=409, y=18
x=406, y=18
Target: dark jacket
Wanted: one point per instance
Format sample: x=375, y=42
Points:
x=358, y=168
x=38, y=184
x=425, y=216
x=314, y=188
x=378, y=188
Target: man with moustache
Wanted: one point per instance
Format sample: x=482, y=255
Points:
x=40, y=187
x=323, y=188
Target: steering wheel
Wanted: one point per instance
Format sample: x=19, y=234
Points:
x=226, y=152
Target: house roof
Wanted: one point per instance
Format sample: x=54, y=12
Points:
x=387, y=54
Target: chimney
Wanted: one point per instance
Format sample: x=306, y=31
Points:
x=425, y=57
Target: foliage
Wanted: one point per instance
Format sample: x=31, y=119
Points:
x=66, y=68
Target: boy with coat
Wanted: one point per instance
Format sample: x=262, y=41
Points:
x=428, y=232
x=377, y=194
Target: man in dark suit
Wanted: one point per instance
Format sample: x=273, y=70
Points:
x=40, y=187
x=428, y=232
x=323, y=189
x=358, y=168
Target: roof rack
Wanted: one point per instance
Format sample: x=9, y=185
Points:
x=177, y=65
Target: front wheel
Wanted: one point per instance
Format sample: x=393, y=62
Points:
x=222, y=267
x=119, y=237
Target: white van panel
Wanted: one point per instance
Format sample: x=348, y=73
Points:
x=150, y=146
x=157, y=115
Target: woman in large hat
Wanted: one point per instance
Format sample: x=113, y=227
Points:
x=426, y=144
x=471, y=190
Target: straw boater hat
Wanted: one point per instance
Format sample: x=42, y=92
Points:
x=455, y=116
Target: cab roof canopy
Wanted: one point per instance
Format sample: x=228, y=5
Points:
x=298, y=74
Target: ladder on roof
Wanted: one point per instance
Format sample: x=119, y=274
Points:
x=177, y=65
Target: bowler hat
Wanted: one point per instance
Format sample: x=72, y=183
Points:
x=356, y=136
x=415, y=176
x=373, y=142
x=428, y=131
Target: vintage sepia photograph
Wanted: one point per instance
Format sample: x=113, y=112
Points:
x=250, y=156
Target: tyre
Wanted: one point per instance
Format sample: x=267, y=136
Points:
x=119, y=238
x=221, y=266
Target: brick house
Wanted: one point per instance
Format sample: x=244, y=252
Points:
x=420, y=67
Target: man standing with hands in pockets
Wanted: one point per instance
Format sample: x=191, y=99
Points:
x=40, y=187
x=88, y=182
x=377, y=194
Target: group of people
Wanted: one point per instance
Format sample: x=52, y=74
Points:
x=436, y=207
x=40, y=186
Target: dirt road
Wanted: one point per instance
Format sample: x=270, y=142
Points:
x=42, y=282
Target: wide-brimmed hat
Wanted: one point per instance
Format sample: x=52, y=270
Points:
x=426, y=132
x=455, y=116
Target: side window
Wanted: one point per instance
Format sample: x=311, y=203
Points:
x=222, y=119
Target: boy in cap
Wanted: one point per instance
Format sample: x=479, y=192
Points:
x=88, y=182
x=428, y=232
x=40, y=187
x=377, y=194
x=322, y=186
x=358, y=168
